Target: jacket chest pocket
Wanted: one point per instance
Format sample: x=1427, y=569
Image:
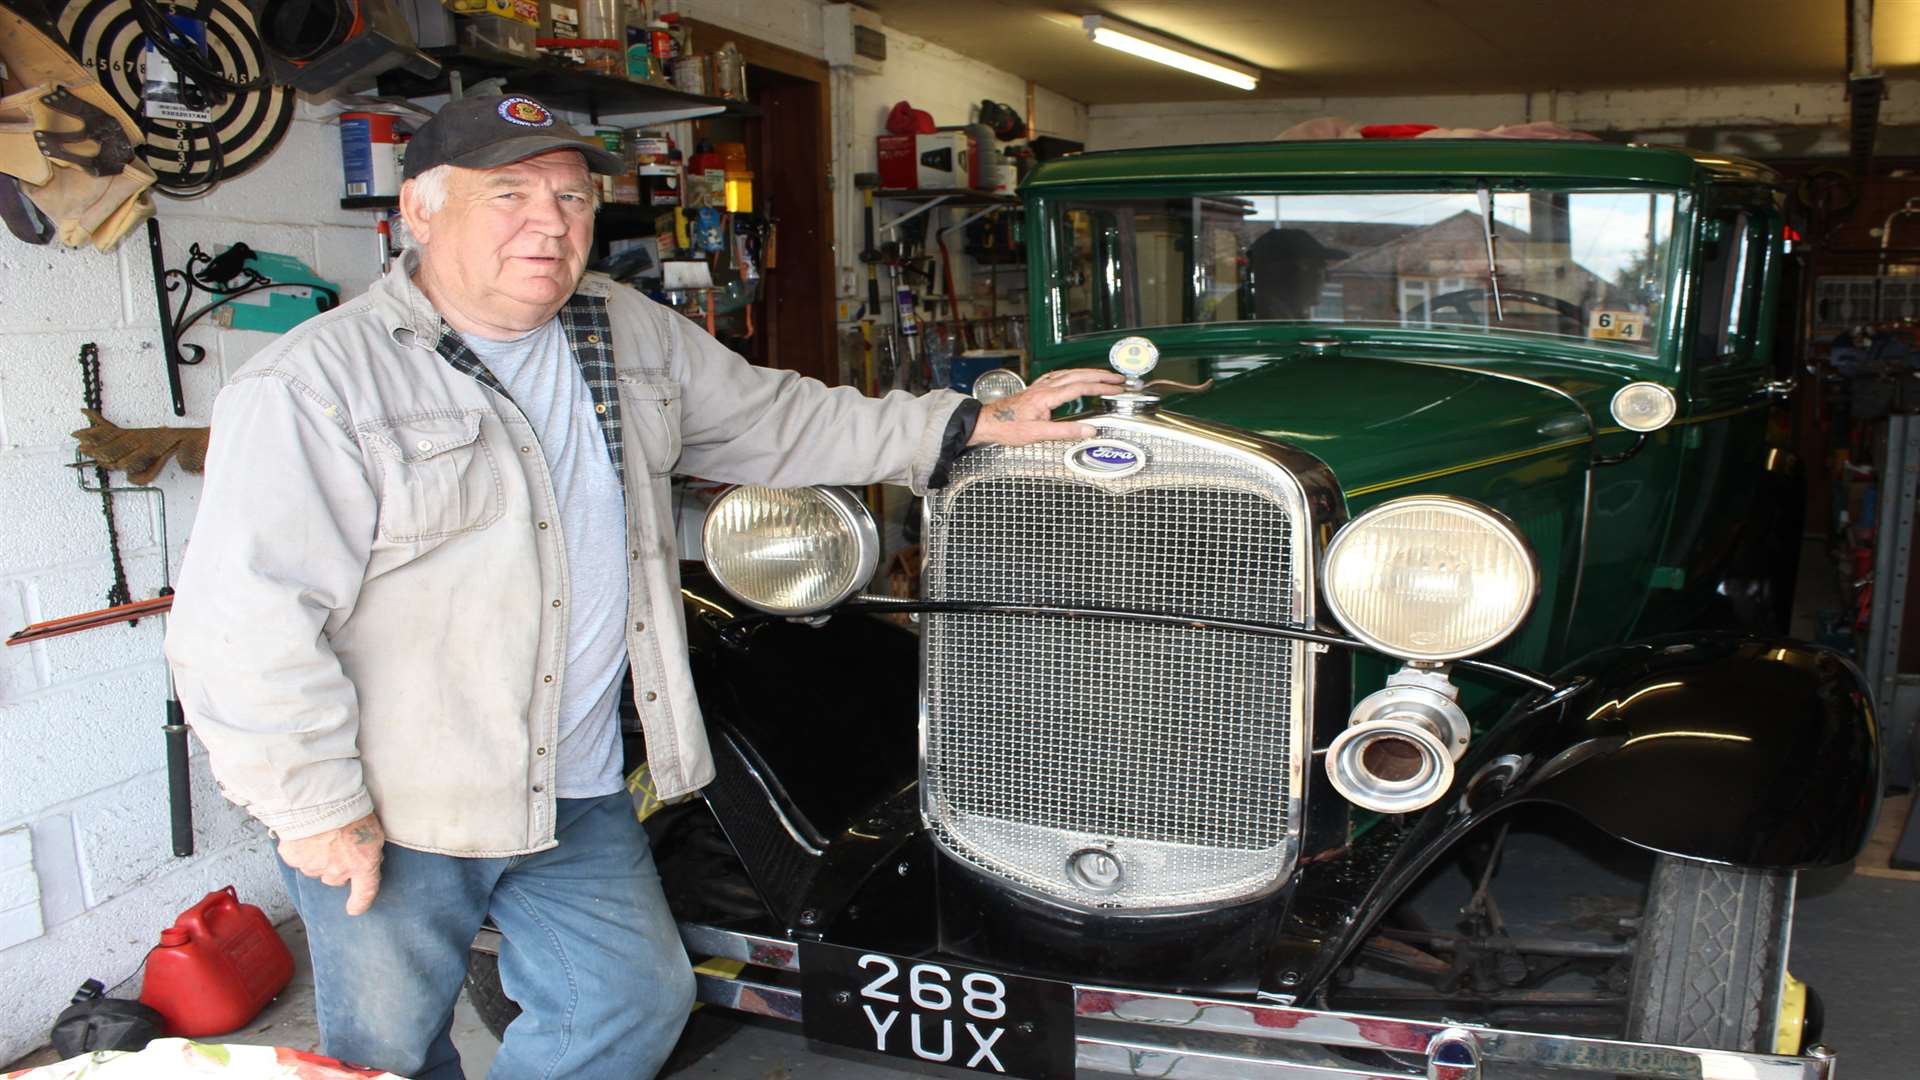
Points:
x=438, y=477
x=650, y=419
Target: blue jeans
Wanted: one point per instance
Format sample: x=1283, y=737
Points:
x=590, y=954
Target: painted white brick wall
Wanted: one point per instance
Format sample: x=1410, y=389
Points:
x=1786, y=105
x=80, y=716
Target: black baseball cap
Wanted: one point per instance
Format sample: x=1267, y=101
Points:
x=1282, y=244
x=486, y=132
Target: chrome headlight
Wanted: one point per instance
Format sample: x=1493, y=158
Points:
x=1430, y=578
x=790, y=551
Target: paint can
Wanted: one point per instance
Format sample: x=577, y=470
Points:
x=370, y=154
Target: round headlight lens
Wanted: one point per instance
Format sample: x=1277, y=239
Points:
x=790, y=551
x=1430, y=578
x=991, y=386
x=1644, y=406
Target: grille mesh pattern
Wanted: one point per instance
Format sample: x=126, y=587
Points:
x=1169, y=747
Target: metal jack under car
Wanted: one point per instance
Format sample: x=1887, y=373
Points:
x=1420, y=547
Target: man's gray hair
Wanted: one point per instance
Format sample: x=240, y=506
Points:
x=431, y=188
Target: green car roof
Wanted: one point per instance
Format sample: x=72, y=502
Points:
x=1460, y=158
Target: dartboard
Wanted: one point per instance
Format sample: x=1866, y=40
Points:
x=241, y=129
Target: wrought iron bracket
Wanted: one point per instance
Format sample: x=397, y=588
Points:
x=224, y=278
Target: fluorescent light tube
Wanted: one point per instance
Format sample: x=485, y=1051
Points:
x=1161, y=50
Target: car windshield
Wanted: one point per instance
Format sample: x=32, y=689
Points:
x=1589, y=265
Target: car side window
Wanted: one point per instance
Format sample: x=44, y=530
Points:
x=1729, y=287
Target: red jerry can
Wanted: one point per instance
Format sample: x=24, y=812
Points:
x=216, y=967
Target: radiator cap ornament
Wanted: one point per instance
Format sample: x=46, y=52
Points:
x=1133, y=357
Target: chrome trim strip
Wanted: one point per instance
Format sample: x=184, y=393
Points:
x=1169, y=1035
x=748, y=996
x=759, y=950
x=779, y=811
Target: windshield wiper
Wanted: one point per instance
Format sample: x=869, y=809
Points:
x=1493, y=266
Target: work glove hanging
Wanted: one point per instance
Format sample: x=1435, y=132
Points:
x=141, y=452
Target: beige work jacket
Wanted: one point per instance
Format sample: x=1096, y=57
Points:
x=372, y=610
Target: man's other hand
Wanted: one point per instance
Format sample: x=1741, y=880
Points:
x=349, y=855
x=1023, y=418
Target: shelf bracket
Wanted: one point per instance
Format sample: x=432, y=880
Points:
x=225, y=277
x=914, y=213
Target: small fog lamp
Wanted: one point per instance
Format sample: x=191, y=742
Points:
x=991, y=386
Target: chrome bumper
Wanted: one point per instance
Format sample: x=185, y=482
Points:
x=1190, y=1038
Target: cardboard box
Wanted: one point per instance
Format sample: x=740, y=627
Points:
x=942, y=160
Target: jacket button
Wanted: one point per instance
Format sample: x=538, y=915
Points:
x=546, y=678
x=541, y=751
x=600, y=408
x=593, y=339
x=526, y=449
x=543, y=524
x=651, y=696
x=633, y=555
x=425, y=446
x=556, y=603
x=638, y=627
x=539, y=788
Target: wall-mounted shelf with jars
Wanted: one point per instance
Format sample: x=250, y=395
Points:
x=604, y=98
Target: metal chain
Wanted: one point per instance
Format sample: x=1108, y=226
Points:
x=90, y=394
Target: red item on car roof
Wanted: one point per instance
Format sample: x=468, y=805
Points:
x=1395, y=131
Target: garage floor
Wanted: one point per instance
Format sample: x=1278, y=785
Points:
x=1855, y=941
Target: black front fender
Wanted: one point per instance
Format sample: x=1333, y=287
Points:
x=1725, y=748
x=1720, y=747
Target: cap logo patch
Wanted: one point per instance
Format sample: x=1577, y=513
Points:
x=526, y=112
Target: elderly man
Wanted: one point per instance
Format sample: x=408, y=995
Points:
x=1287, y=270
x=435, y=537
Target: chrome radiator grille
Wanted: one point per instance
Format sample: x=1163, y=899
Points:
x=1174, y=751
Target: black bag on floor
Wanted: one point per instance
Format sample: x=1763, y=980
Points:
x=97, y=1022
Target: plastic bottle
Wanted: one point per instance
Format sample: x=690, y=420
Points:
x=216, y=967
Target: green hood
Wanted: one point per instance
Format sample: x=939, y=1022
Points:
x=1382, y=423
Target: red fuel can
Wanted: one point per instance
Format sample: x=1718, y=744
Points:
x=216, y=967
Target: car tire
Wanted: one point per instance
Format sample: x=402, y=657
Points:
x=1711, y=956
x=489, y=998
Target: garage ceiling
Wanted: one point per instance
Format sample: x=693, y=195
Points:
x=1314, y=48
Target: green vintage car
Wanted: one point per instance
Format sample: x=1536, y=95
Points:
x=1440, y=501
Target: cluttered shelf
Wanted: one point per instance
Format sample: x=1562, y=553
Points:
x=560, y=86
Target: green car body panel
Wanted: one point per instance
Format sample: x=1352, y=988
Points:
x=1518, y=421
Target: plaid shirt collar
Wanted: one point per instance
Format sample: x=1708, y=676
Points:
x=590, y=335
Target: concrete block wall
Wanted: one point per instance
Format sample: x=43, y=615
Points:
x=87, y=873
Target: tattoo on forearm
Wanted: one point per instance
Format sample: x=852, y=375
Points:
x=1005, y=416
x=364, y=834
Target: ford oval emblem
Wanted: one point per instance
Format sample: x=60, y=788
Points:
x=1106, y=458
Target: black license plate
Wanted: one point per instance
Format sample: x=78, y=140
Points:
x=1004, y=1025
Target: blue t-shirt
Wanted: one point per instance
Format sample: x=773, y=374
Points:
x=540, y=373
